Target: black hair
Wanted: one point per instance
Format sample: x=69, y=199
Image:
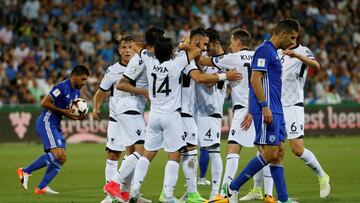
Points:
x=287, y=25
x=242, y=35
x=80, y=70
x=198, y=31
x=163, y=49
x=152, y=35
x=213, y=35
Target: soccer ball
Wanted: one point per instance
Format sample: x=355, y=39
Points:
x=80, y=106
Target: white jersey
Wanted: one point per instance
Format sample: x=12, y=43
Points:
x=210, y=100
x=109, y=82
x=188, y=90
x=239, y=61
x=164, y=81
x=293, y=76
x=136, y=74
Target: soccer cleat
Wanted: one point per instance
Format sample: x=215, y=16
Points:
x=194, y=197
x=23, y=177
x=289, y=200
x=324, y=186
x=269, y=199
x=203, y=181
x=254, y=194
x=46, y=190
x=161, y=198
x=113, y=189
x=108, y=199
x=219, y=199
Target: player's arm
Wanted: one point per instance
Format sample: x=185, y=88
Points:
x=205, y=61
x=98, y=99
x=310, y=62
x=201, y=77
x=127, y=86
x=256, y=83
x=48, y=103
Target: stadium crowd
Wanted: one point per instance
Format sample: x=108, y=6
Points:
x=41, y=40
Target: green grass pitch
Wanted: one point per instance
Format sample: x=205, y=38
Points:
x=82, y=177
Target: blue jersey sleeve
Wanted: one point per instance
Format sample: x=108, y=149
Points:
x=261, y=59
x=57, y=91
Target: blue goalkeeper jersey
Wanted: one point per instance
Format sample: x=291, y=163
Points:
x=62, y=95
x=267, y=61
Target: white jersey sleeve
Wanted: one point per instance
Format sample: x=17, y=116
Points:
x=294, y=76
x=134, y=68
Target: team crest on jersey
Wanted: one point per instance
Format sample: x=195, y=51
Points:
x=218, y=58
x=138, y=132
x=233, y=132
x=261, y=62
x=140, y=62
x=56, y=92
x=272, y=138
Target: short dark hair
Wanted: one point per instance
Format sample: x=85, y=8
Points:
x=287, y=25
x=213, y=35
x=242, y=35
x=124, y=37
x=163, y=49
x=152, y=35
x=198, y=31
x=80, y=70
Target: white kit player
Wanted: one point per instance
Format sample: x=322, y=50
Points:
x=295, y=61
x=242, y=131
x=164, y=128
x=191, y=75
x=114, y=144
x=131, y=119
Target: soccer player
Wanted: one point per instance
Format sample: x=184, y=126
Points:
x=295, y=61
x=191, y=75
x=115, y=135
x=266, y=109
x=164, y=127
x=56, y=105
x=131, y=118
x=239, y=59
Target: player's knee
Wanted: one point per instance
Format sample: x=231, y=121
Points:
x=298, y=151
x=112, y=155
x=61, y=159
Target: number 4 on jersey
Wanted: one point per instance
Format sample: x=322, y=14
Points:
x=164, y=87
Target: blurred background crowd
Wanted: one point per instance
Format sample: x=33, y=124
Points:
x=41, y=40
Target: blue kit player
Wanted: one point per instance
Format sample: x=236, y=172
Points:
x=56, y=105
x=266, y=108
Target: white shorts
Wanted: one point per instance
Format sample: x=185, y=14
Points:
x=164, y=129
x=209, y=130
x=114, y=136
x=190, y=130
x=132, y=128
x=237, y=134
x=294, y=121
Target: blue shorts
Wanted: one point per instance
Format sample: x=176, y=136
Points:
x=270, y=134
x=51, y=136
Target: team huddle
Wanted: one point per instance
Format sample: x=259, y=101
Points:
x=186, y=90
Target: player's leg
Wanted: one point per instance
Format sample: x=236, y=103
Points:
x=294, y=117
x=174, y=142
x=203, y=166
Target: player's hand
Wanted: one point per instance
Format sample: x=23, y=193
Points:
x=96, y=114
x=83, y=116
x=267, y=115
x=185, y=42
x=290, y=53
x=246, y=123
x=233, y=75
x=70, y=113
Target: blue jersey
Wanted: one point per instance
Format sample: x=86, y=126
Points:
x=62, y=95
x=267, y=60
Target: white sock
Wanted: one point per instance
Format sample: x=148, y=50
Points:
x=127, y=184
x=216, y=171
x=309, y=158
x=141, y=169
x=170, y=178
x=268, y=181
x=190, y=164
x=110, y=169
x=127, y=167
x=232, y=163
x=258, y=177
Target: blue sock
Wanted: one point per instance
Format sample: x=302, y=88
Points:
x=203, y=162
x=277, y=172
x=51, y=171
x=41, y=162
x=255, y=165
